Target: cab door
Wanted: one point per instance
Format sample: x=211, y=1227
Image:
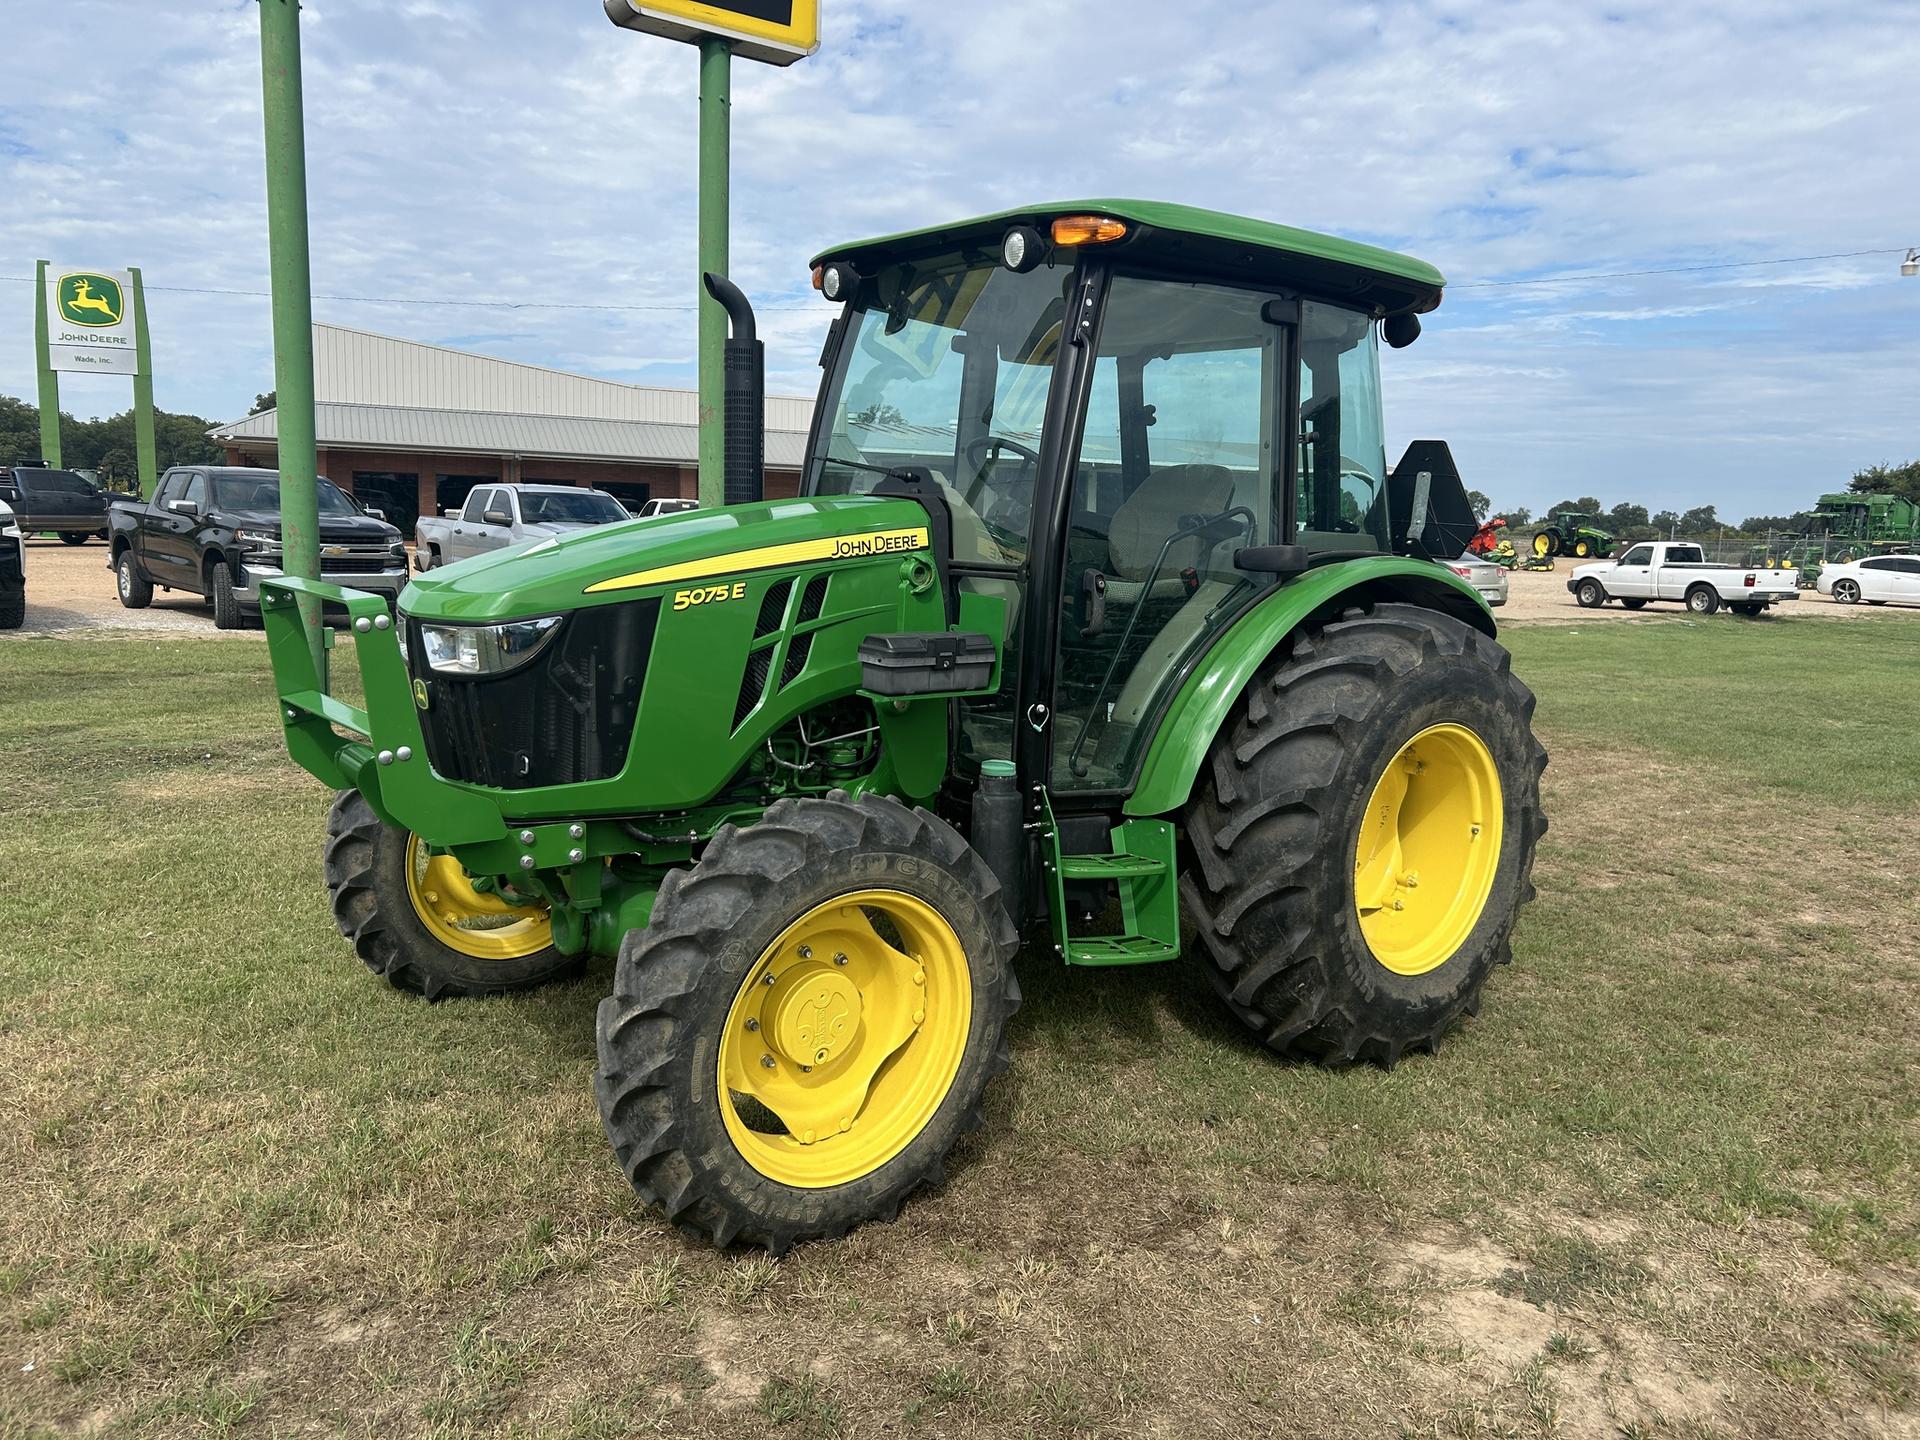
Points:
x=1179, y=465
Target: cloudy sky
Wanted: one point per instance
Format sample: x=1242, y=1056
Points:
x=527, y=151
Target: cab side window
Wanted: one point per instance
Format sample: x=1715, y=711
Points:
x=1342, y=477
x=170, y=488
x=196, y=492
x=478, y=503
x=1639, y=555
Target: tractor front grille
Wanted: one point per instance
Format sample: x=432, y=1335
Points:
x=565, y=716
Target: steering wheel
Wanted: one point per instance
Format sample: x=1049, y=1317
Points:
x=988, y=448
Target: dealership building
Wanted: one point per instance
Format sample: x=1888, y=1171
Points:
x=411, y=428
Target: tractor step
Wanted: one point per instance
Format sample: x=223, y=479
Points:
x=1118, y=950
x=1110, y=867
x=1140, y=867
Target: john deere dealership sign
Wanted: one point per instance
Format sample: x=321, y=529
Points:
x=90, y=322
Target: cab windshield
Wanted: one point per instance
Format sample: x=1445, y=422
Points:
x=947, y=374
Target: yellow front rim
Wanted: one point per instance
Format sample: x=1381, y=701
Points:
x=1429, y=845
x=473, y=922
x=1541, y=544
x=845, y=1038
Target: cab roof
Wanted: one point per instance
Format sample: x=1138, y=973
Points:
x=1185, y=237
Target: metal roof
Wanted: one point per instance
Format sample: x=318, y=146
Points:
x=490, y=432
x=1200, y=238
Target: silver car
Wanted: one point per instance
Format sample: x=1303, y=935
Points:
x=1485, y=576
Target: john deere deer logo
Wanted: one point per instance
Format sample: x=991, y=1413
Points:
x=90, y=300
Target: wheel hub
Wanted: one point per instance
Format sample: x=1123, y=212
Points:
x=813, y=1014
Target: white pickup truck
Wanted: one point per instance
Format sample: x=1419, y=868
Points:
x=1673, y=570
x=498, y=515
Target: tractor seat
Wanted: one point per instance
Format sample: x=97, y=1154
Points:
x=1149, y=515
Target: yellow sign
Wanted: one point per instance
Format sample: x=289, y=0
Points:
x=776, y=31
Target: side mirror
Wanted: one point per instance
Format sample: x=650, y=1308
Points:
x=497, y=517
x=180, y=507
x=376, y=514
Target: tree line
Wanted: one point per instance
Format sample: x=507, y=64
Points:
x=106, y=445
x=1629, y=521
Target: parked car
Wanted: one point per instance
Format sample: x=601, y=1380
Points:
x=647, y=509
x=215, y=531
x=1674, y=570
x=1878, y=580
x=13, y=571
x=499, y=515
x=61, y=501
x=1485, y=576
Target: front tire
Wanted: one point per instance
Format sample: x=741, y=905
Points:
x=808, y=1023
x=226, y=608
x=13, y=609
x=1703, y=600
x=1300, y=846
x=1591, y=594
x=136, y=591
x=1846, y=592
x=417, y=919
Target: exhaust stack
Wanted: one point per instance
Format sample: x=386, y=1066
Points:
x=743, y=422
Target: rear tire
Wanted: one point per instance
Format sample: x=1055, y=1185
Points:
x=1634, y=602
x=76, y=537
x=367, y=862
x=1703, y=600
x=136, y=591
x=1591, y=594
x=13, y=609
x=1846, y=592
x=674, y=1020
x=226, y=609
x=1276, y=822
x=1751, y=612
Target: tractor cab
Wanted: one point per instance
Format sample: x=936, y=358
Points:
x=1125, y=411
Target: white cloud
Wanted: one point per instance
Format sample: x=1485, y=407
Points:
x=533, y=152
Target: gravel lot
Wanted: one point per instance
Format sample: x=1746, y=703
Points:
x=69, y=589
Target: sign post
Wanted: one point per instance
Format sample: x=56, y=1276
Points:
x=292, y=283
x=777, y=32
x=93, y=322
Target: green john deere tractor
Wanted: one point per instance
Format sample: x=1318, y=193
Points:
x=1567, y=532
x=1097, y=607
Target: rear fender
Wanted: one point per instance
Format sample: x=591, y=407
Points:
x=1206, y=698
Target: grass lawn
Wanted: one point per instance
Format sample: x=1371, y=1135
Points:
x=1665, y=1184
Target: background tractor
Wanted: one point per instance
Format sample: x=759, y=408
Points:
x=1567, y=532
x=1098, y=605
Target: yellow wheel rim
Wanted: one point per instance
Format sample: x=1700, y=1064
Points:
x=1429, y=845
x=1541, y=544
x=845, y=1038
x=473, y=922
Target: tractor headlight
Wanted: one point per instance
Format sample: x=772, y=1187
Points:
x=485, y=649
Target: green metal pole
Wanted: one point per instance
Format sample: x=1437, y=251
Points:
x=716, y=81
x=148, y=452
x=292, y=302
x=49, y=382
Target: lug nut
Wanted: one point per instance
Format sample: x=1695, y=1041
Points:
x=839, y=959
x=919, y=1017
x=806, y=952
x=766, y=1062
x=753, y=1024
x=769, y=979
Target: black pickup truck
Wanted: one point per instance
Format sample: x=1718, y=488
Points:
x=215, y=531
x=60, y=501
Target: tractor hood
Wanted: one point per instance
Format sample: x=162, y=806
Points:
x=609, y=564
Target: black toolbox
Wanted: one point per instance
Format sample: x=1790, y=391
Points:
x=933, y=662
